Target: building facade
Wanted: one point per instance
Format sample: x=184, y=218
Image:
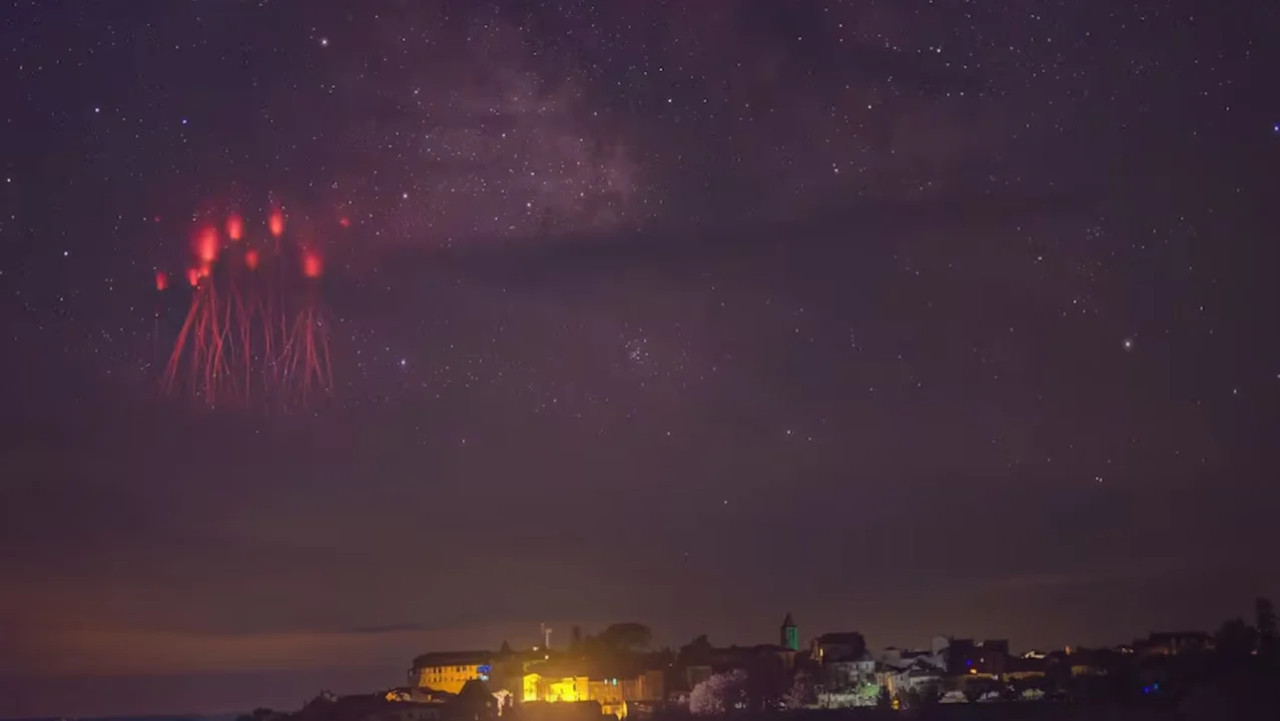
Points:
x=451, y=670
x=612, y=693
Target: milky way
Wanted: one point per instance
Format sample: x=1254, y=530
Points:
x=482, y=142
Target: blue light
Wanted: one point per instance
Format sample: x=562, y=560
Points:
x=485, y=669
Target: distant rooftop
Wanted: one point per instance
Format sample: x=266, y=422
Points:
x=452, y=658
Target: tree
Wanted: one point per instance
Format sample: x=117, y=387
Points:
x=575, y=639
x=626, y=636
x=259, y=714
x=972, y=692
x=719, y=694
x=695, y=651
x=869, y=693
x=856, y=646
x=1236, y=640
x=1265, y=620
x=478, y=700
x=1268, y=641
x=803, y=692
x=922, y=696
x=662, y=658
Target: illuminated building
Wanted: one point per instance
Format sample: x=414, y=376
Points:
x=613, y=694
x=555, y=689
x=451, y=670
x=915, y=673
x=569, y=683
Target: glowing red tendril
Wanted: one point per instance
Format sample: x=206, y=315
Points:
x=250, y=340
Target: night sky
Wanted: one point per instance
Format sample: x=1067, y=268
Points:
x=907, y=317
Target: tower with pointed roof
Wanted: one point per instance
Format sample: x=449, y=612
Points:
x=790, y=633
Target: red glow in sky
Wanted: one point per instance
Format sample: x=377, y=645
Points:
x=251, y=259
x=235, y=227
x=276, y=223
x=193, y=276
x=312, y=265
x=162, y=280
x=344, y=222
x=207, y=245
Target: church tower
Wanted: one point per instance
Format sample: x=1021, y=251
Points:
x=790, y=633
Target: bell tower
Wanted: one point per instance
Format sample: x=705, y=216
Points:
x=790, y=633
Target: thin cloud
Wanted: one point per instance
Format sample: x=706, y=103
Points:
x=391, y=628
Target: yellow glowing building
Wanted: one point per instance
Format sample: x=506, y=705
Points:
x=611, y=693
x=553, y=690
x=613, y=697
x=450, y=671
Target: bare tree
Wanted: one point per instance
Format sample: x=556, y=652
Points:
x=803, y=693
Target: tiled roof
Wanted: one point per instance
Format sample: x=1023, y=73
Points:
x=452, y=658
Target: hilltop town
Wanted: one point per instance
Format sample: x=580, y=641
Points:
x=616, y=673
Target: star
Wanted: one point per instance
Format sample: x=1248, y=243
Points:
x=1127, y=343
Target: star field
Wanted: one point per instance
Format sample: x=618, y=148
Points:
x=685, y=312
